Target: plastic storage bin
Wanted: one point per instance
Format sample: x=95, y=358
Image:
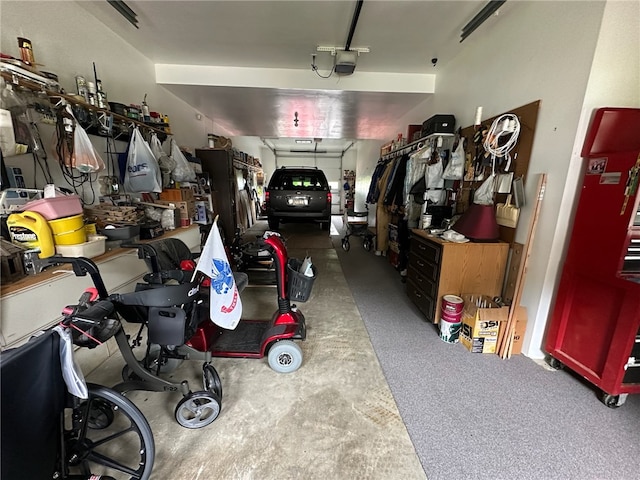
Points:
x=56, y=207
x=94, y=247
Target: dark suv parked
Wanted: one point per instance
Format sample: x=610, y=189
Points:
x=298, y=194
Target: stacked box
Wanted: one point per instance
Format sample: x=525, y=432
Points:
x=177, y=195
x=187, y=209
x=481, y=320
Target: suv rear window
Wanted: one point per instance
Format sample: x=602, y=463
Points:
x=295, y=180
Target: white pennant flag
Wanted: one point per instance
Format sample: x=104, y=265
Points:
x=224, y=299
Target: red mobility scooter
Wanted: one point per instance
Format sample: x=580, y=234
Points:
x=274, y=338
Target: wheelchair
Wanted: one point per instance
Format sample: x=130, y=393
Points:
x=170, y=315
x=47, y=432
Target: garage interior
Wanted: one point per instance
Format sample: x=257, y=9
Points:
x=379, y=394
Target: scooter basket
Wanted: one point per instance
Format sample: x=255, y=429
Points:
x=298, y=284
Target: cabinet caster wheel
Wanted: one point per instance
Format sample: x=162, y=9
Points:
x=555, y=363
x=613, y=401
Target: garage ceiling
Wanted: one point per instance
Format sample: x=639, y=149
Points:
x=276, y=39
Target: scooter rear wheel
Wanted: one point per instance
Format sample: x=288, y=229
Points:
x=285, y=356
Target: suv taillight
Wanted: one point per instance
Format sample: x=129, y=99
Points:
x=266, y=197
x=329, y=198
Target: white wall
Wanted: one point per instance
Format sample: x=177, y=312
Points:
x=537, y=51
x=67, y=39
x=614, y=81
x=249, y=145
x=368, y=155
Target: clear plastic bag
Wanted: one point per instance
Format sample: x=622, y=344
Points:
x=85, y=158
x=183, y=172
x=71, y=372
x=484, y=194
x=455, y=168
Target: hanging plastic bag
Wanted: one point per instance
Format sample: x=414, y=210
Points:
x=143, y=173
x=165, y=162
x=85, y=159
x=71, y=373
x=484, y=194
x=156, y=146
x=455, y=168
x=183, y=172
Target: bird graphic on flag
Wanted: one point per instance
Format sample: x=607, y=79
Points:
x=225, y=306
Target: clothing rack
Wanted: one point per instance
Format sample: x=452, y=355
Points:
x=413, y=146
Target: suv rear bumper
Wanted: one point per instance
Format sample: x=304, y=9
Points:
x=322, y=216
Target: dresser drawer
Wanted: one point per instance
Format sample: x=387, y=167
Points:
x=424, y=303
x=426, y=285
x=427, y=269
x=431, y=252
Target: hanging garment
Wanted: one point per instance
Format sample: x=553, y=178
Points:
x=383, y=217
x=435, y=183
x=374, y=189
x=416, y=167
x=395, y=190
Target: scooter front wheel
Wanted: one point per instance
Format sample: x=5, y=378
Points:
x=285, y=356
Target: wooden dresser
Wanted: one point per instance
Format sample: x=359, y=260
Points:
x=438, y=267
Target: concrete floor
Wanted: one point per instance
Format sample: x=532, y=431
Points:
x=334, y=418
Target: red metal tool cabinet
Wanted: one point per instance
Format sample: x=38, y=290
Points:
x=595, y=325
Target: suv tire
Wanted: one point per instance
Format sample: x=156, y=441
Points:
x=325, y=225
x=274, y=223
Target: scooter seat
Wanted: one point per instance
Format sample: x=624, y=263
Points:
x=165, y=296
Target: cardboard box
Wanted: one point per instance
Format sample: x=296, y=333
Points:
x=187, y=209
x=481, y=325
x=177, y=195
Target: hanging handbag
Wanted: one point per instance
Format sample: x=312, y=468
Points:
x=507, y=214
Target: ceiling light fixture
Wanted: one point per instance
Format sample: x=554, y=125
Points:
x=303, y=140
x=125, y=11
x=488, y=10
x=295, y=119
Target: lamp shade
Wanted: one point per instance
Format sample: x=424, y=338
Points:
x=478, y=223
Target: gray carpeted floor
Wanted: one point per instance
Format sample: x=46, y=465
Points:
x=475, y=416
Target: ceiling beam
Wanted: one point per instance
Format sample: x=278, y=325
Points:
x=203, y=75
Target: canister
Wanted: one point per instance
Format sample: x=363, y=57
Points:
x=68, y=230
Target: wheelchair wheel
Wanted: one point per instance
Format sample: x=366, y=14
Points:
x=367, y=244
x=211, y=380
x=198, y=409
x=100, y=415
x=345, y=244
x=123, y=449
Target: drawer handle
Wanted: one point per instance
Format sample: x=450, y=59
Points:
x=420, y=264
x=422, y=247
x=415, y=292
